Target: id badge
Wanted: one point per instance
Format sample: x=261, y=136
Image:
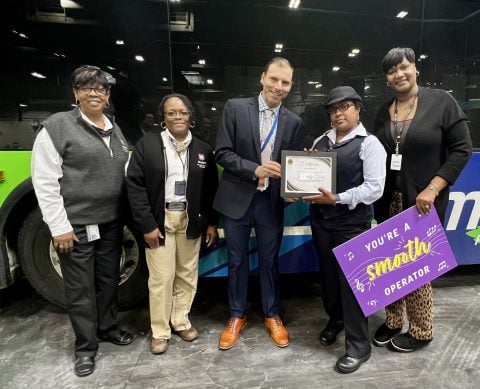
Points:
x=93, y=233
x=180, y=188
x=396, y=162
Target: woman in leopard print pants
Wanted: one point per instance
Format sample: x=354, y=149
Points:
x=427, y=140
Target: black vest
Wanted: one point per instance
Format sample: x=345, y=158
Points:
x=349, y=175
x=92, y=184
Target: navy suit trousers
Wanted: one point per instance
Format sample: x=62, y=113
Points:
x=268, y=230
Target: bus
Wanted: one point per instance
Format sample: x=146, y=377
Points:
x=213, y=50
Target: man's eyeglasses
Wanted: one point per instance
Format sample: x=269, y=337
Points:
x=341, y=107
x=87, y=89
x=174, y=114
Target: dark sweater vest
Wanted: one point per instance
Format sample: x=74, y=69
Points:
x=349, y=175
x=93, y=176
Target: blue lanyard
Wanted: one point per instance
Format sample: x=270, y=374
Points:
x=270, y=133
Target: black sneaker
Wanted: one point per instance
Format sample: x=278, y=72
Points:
x=384, y=335
x=406, y=343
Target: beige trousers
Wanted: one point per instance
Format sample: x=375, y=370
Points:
x=173, y=276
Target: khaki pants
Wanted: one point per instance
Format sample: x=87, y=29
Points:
x=172, y=282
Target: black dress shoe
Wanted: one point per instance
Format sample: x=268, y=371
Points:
x=120, y=338
x=348, y=364
x=329, y=333
x=84, y=366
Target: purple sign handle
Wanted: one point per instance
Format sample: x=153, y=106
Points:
x=393, y=259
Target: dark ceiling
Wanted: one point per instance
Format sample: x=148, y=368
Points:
x=229, y=34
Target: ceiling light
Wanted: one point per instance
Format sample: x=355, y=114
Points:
x=279, y=45
x=294, y=4
x=318, y=86
x=174, y=1
x=70, y=4
x=59, y=55
x=209, y=81
x=278, y=50
x=313, y=82
x=402, y=14
x=366, y=87
x=336, y=68
x=20, y=34
x=110, y=67
x=198, y=47
x=202, y=61
x=22, y=105
x=38, y=75
x=119, y=42
x=423, y=56
x=164, y=79
x=139, y=58
x=213, y=108
x=351, y=55
x=355, y=51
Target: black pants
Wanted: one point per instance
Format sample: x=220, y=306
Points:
x=338, y=299
x=91, y=276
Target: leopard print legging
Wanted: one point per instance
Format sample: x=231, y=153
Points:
x=418, y=304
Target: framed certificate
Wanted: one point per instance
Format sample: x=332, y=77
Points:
x=303, y=173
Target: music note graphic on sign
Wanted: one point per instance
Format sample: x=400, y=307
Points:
x=359, y=285
x=350, y=256
x=442, y=265
x=431, y=231
x=372, y=303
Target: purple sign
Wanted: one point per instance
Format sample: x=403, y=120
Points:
x=395, y=258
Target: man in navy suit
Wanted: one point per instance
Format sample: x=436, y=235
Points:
x=254, y=130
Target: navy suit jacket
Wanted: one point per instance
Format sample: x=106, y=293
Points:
x=238, y=152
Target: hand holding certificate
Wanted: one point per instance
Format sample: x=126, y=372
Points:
x=304, y=173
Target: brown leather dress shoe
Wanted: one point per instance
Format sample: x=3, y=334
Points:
x=278, y=332
x=230, y=334
x=158, y=346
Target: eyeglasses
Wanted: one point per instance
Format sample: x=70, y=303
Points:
x=87, y=89
x=174, y=114
x=342, y=108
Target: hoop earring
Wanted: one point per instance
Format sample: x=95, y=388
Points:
x=163, y=125
x=417, y=73
x=388, y=84
x=192, y=124
x=77, y=102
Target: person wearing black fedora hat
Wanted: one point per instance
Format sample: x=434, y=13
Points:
x=338, y=217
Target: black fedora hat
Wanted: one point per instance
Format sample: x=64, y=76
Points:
x=341, y=93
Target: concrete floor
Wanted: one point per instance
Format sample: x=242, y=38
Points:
x=36, y=345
